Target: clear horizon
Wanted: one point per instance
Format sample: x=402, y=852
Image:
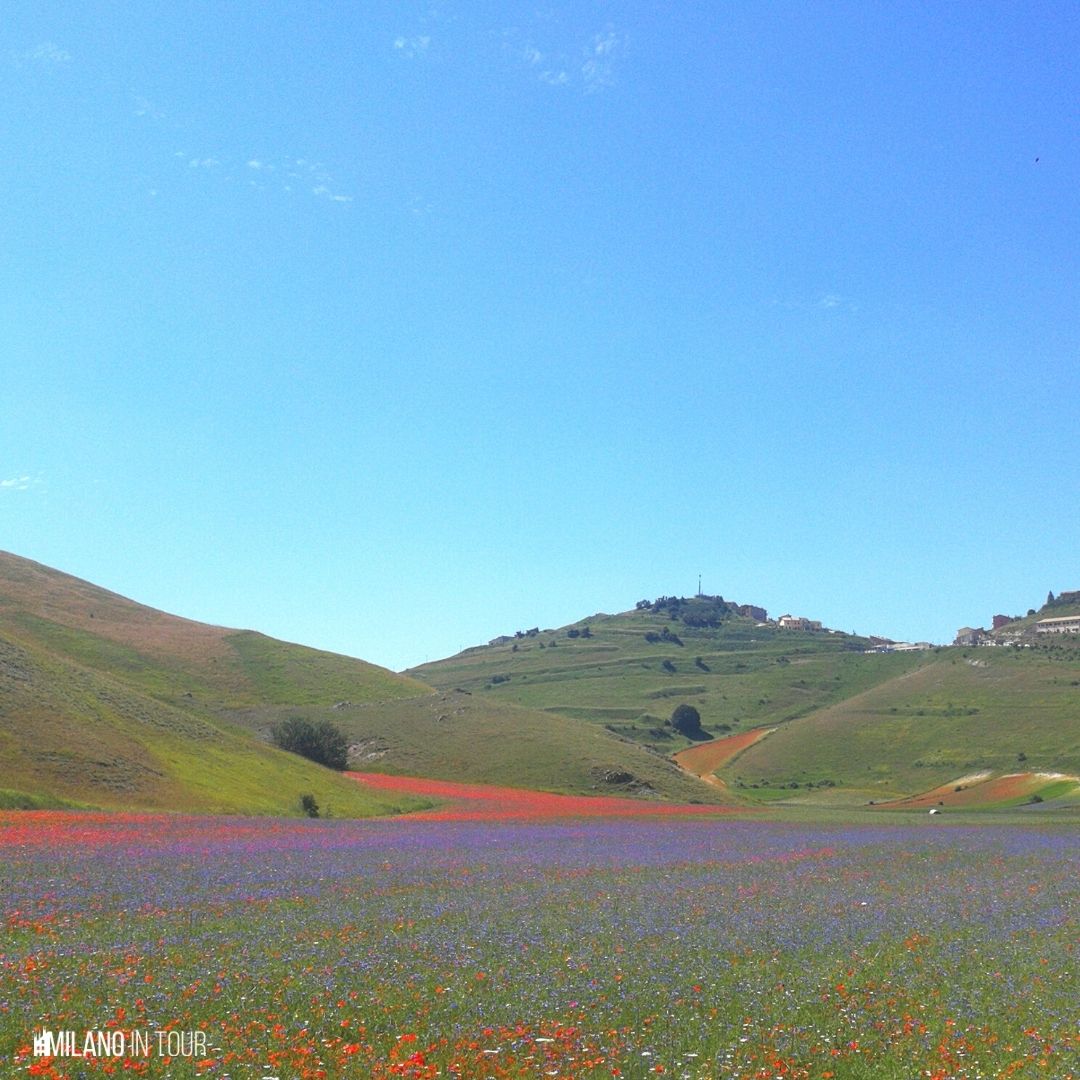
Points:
x=392, y=330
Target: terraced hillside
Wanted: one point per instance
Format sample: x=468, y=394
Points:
x=627, y=672
x=107, y=703
x=850, y=726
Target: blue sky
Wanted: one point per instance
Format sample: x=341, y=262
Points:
x=389, y=328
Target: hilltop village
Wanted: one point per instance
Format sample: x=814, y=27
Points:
x=705, y=610
x=1023, y=629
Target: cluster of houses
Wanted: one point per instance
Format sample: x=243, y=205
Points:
x=879, y=645
x=1063, y=624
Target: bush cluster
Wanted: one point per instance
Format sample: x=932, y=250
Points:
x=698, y=611
x=321, y=742
x=686, y=720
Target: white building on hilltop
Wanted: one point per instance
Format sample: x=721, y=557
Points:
x=1066, y=624
x=796, y=622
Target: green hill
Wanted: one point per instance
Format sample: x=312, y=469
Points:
x=966, y=711
x=627, y=672
x=458, y=735
x=104, y=702
x=851, y=725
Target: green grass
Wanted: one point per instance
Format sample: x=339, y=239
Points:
x=254, y=669
x=24, y=800
x=106, y=703
x=1003, y=710
x=740, y=674
x=282, y=673
x=81, y=738
x=166, y=678
x=876, y=725
x=454, y=735
x=270, y=782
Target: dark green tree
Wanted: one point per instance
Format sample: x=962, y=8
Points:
x=321, y=742
x=686, y=720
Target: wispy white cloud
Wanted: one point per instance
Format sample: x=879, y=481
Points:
x=324, y=192
x=830, y=301
x=285, y=174
x=145, y=107
x=548, y=69
x=555, y=78
x=412, y=47
x=419, y=206
x=45, y=56
x=19, y=483
x=601, y=57
x=416, y=42
x=591, y=67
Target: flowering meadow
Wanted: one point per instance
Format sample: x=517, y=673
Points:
x=690, y=947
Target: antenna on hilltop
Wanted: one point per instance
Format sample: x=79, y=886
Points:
x=699, y=584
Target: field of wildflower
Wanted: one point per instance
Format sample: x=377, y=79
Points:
x=691, y=947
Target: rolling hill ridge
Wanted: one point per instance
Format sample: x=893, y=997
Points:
x=844, y=724
x=105, y=702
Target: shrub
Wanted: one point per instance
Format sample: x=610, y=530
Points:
x=321, y=742
x=309, y=805
x=686, y=720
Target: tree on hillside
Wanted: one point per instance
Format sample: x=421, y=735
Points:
x=686, y=720
x=321, y=742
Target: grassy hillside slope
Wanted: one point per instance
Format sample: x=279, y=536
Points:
x=738, y=675
x=850, y=726
x=457, y=735
x=108, y=703
x=969, y=710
